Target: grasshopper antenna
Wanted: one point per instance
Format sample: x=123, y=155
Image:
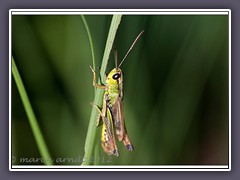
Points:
x=115, y=57
x=134, y=42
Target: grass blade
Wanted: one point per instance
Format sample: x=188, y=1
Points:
x=31, y=117
x=92, y=129
x=90, y=40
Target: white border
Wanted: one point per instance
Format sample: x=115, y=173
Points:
x=10, y=89
x=120, y=11
x=110, y=12
x=128, y=168
x=229, y=89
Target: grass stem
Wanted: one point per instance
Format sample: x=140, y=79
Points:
x=92, y=129
x=31, y=116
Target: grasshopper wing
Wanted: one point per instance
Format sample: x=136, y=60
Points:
x=117, y=112
x=120, y=127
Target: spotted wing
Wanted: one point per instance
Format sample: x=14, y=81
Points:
x=117, y=113
x=119, y=123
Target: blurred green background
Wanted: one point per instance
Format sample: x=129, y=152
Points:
x=175, y=87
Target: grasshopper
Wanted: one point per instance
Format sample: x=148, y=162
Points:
x=112, y=109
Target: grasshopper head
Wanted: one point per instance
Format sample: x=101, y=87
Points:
x=115, y=76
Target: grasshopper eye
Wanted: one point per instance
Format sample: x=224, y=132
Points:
x=116, y=76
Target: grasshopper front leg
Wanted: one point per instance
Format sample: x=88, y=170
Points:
x=95, y=84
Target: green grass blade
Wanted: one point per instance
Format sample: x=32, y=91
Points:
x=92, y=129
x=97, y=158
x=31, y=117
x=90, y=40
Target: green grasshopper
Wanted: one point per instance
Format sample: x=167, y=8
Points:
x=112, y=110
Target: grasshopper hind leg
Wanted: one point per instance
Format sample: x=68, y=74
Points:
x=107, y=143
x=108, y=139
